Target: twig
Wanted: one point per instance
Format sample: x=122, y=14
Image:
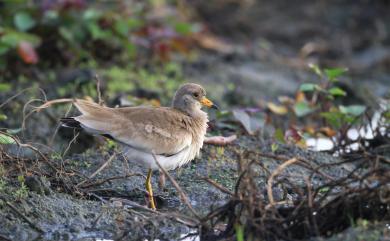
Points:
x=16, y=211
x=99, y=182
x=175, y=216
x=4, y=238
x=270, y=181
x=58, y=126
x=220, y=140
x=51, y=102
x=21, y=92
x=178, y=188
x=217, y=185
x=104, y=165
x=99, y=93
x=70, y=144
x=30, y=147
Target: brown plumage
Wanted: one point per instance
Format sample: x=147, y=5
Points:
x=175, y=134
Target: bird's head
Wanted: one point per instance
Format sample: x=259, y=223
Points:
x=190, y=98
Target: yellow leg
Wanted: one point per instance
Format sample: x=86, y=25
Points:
x=148, y=185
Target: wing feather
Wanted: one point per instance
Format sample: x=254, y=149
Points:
x=161, y=130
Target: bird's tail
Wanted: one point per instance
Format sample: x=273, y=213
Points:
x=70, y=122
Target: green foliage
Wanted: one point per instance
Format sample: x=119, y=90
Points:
x=5, y=139
x=336, y=91
x=3, y=185
x=274, y=147
x=239, y=232
x=88, y=31
x=302, y=109
x=3, y=117
x=317, y=108
x=22, y=192
x=23, y=21
x=333, y=74
x=335, y=115
x=5, y=87
x=307, y=87
x=352, y=110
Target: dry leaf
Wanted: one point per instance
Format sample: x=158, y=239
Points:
x=251, y=125
x=300, y=97
x=277, y=109
x=286, y=100
x=329, y=132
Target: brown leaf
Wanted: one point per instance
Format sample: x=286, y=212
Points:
x=329, y=132
x=300, y=97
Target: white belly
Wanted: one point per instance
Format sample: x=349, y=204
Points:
x=147, y=160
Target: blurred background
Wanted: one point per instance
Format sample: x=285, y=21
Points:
x=290, y=76
x=246, y=53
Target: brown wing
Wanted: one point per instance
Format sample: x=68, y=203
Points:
x=161, y=130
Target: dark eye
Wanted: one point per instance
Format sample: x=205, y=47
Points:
x=195, y=95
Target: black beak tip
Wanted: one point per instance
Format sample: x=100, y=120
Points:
x=215, y=107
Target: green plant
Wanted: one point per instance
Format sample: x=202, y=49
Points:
x=22, y=192
x=78, y=31
x=239, y=232
x=317, y=109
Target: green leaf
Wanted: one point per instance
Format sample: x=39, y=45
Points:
x=302, y=109
x=23, y=21
x=334, y=119
x=131, y=49
x=134, y=23
x=274, y=147
x=122, y=28
x=239, y=232
x=66, y=34
x=91, y=14
x=386, y=115
x=97, y=32
x=14, y=131
x=2, y=117
x=279, y=136
x=4, y=48
x=334, y=73
x=4, y=139
x=336, y=91
x=13, y=38
x=21, y=178
x=316, y=69
x=183, y=28
x=308, y=87
x=354, y=110
x=4, y=87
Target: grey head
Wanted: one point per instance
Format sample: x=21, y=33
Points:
x=190, y=98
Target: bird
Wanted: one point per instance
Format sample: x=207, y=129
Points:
x=173, y=135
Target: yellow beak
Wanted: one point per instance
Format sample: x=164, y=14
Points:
x=208, y=103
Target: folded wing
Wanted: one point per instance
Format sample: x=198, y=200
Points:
x=161, y=130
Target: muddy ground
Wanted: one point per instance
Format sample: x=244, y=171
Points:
x=70, y=217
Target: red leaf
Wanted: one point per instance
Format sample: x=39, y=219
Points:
x=163, y=51
x=292, y=135
x=27, y=52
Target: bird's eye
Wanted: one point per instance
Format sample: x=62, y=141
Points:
x=195, y=95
